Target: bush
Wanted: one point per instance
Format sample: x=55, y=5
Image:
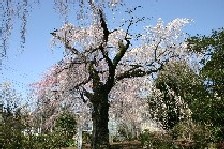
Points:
x=50, y=141
x=156, y=140
x=87, y=137
x=62, y=135
x=195, y=135
x=145, y=138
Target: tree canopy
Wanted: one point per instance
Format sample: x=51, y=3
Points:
x=212, y=48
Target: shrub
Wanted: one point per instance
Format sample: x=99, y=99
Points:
x=195, y=135
x=156, y=140
x=145, y=138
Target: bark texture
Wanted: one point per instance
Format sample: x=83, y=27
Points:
x=100, y=118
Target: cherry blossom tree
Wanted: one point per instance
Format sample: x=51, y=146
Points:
x=52, y=99
x=99, y=58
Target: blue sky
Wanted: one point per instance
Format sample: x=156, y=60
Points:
x=25, y=67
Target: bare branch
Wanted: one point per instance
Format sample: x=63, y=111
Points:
x=156, y=48
x=123, y=48
x=132, y=73
x=85, y=93
x=133, y=9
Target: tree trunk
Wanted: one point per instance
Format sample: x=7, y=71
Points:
x=100, y=118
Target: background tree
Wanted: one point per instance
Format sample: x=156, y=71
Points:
x=13, y=122
x=211, y=48
x=176, y=88
x=177, y=103
x=53, y=100
x=65, y=129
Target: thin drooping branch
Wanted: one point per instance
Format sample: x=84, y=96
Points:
x=73, y=50
x=156, y=48
x=65, y=67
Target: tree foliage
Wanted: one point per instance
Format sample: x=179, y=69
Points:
x=211, y=47
x=175, y=89
x=13, y=119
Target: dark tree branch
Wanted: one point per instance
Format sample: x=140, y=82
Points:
x=86, y=94
x=132, y=73
x=111, y=68
x=122, y=50
x=106, y=33
x=104, y=26
x=105, y=39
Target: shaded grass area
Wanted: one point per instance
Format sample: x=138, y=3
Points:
x=120, y=145
x=127, y=145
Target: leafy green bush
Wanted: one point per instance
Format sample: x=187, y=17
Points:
x=50, y=141
x=61, y=136
x=87, y=137
x=197, y=136
x=155, y=140
x=145, y=138
x=64, y=130
x=162, y=141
